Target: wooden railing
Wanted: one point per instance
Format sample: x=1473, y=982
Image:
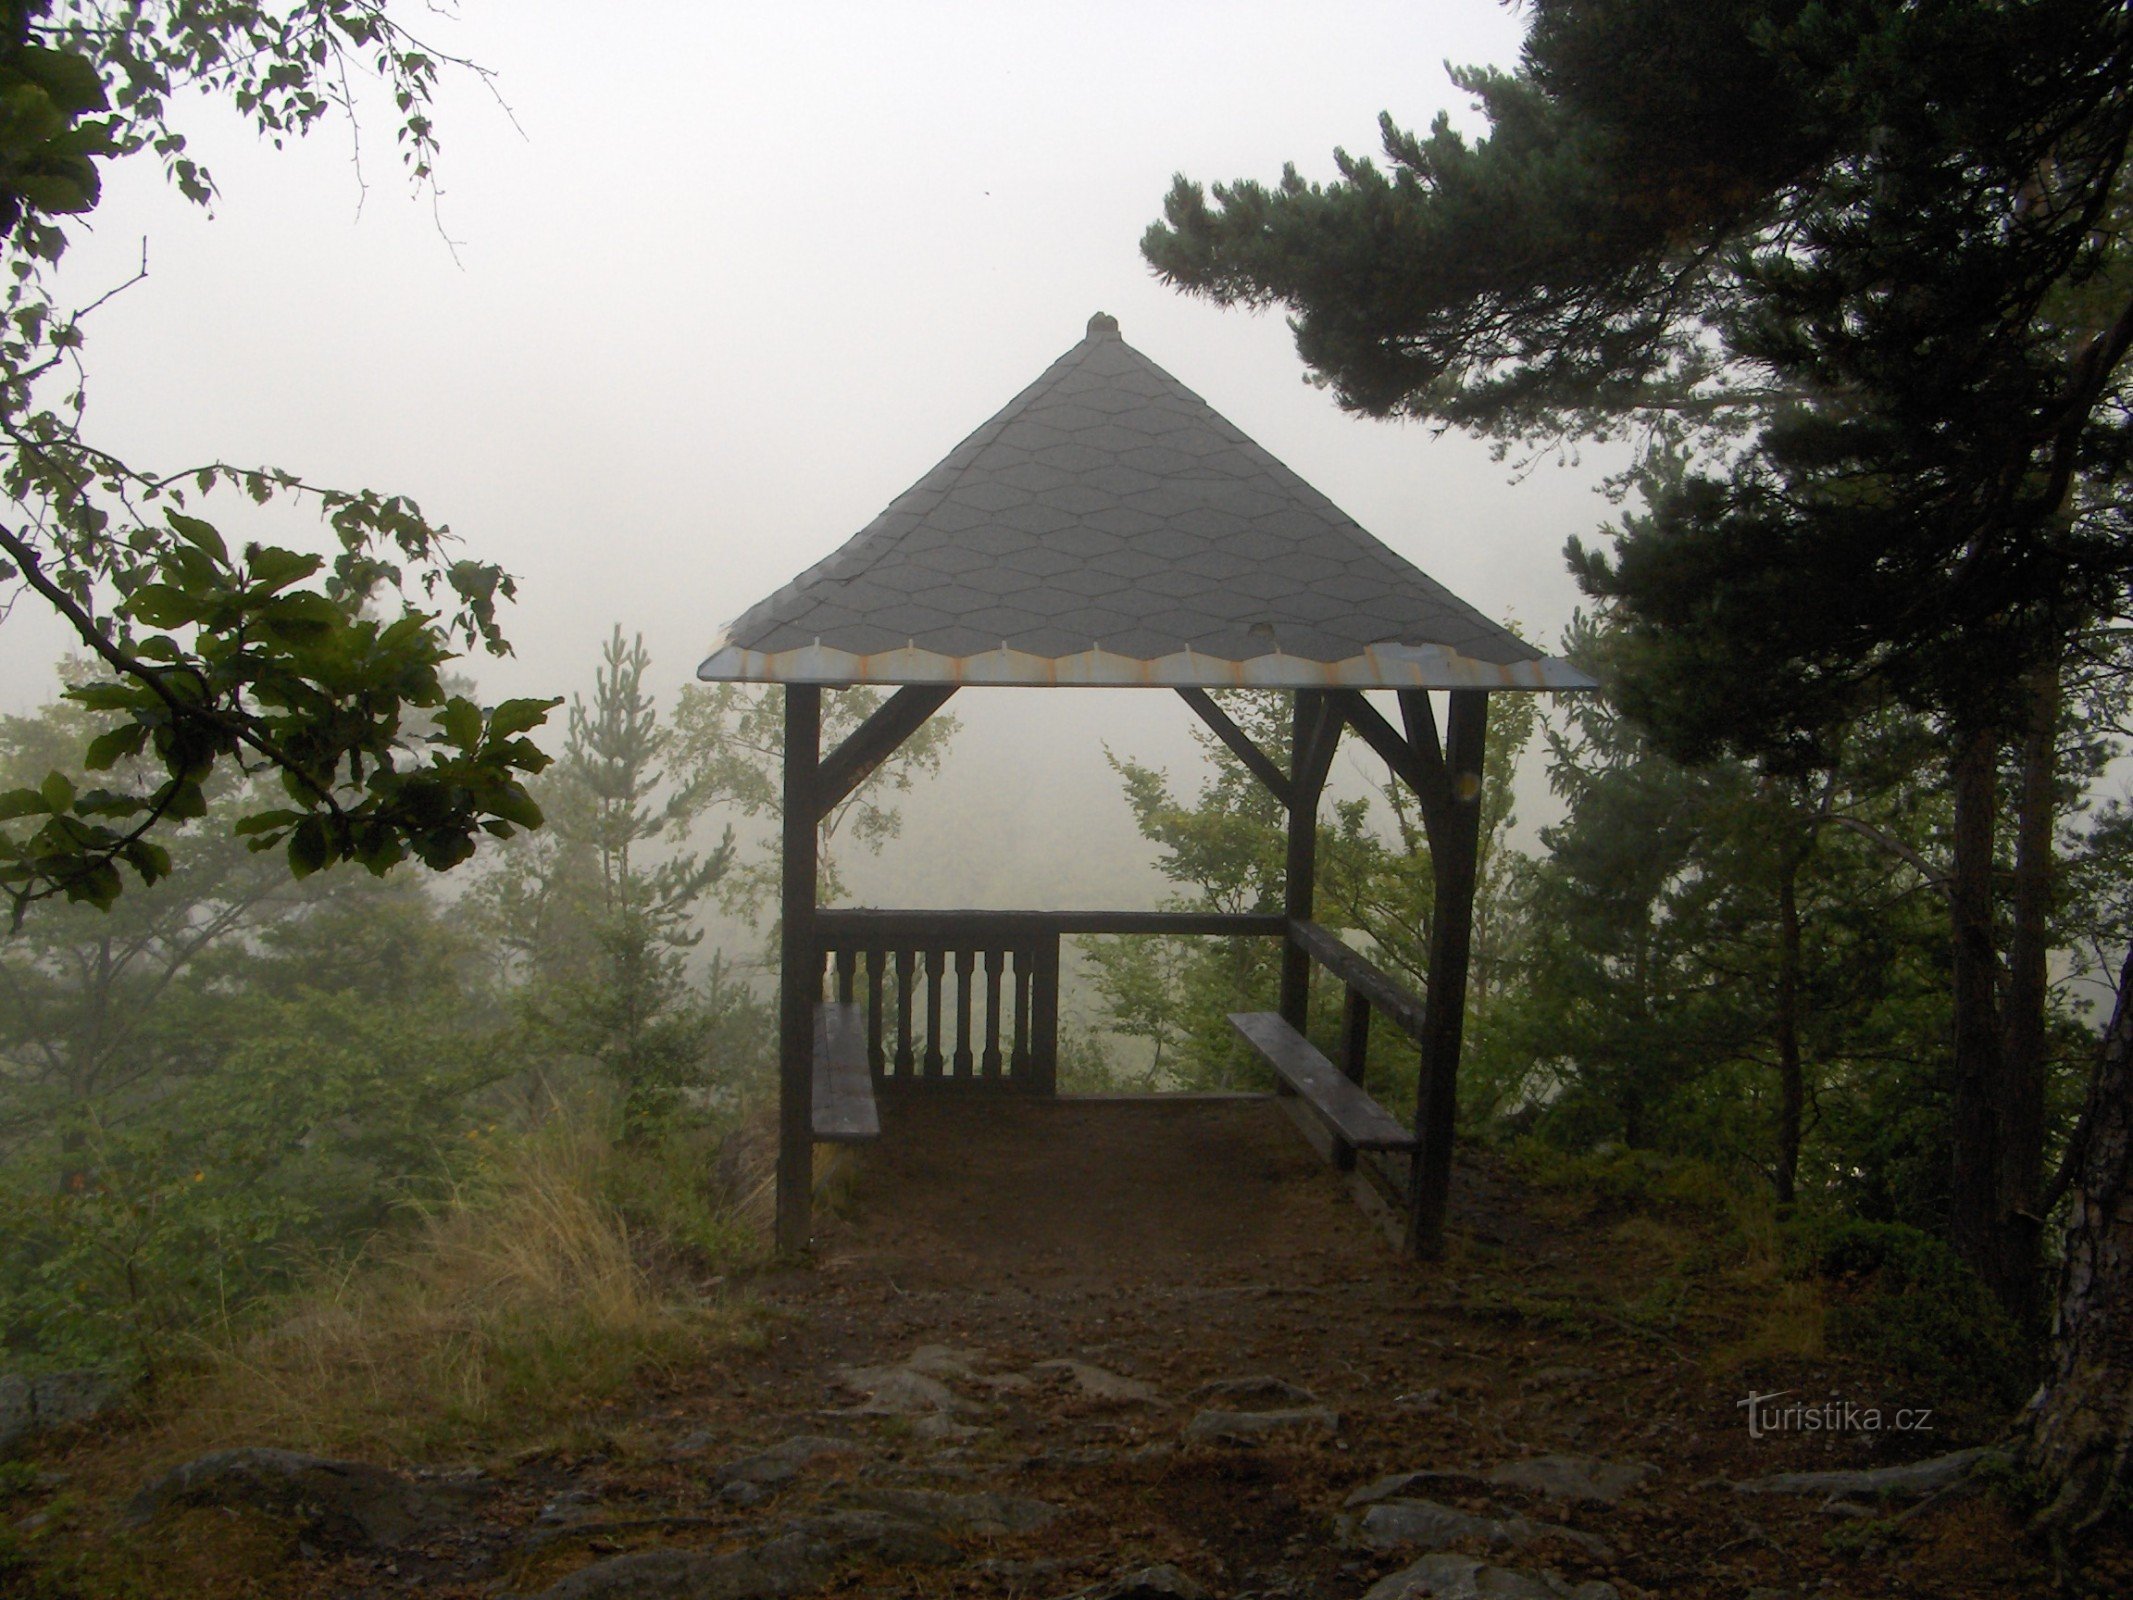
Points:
x=1368, y=988
x=970, y=999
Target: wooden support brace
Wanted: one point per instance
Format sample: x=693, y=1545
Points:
x=1419, y=765
x=877, y=739
x=1421, y=723
x=1256, y=760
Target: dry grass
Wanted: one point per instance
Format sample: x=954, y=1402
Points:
x=517, y=1303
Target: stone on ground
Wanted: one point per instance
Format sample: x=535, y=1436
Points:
x=344, y=1503
x=1098, y=1383
x=783, y=1461
x=984, y=1513
x=1576, y=1478
x=1388, y=1524
x=1912, y=1480
x=1257, y=1427
x=50, y=1400
x=946, y=1361
x=1464, y=1578
x=898, y=1391
x=1262, y=1388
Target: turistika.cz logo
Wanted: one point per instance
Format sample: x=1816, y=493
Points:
x=1767, y=1417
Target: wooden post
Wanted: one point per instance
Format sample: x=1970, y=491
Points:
x=1044, y=1018
x=1312, y=731
x=1355, y=1036
x=1455, y=850
x=800, y=969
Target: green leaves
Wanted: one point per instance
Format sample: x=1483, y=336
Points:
x=322, y=668
x=249, y=667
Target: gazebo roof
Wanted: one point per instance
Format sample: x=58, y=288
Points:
x=1109, y=527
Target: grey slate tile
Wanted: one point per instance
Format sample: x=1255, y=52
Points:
x=1107, y=501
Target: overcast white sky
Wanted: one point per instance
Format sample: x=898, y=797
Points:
x=749, y=271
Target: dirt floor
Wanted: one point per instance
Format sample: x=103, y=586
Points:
x=1006, y=1335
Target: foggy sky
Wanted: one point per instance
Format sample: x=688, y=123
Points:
x=726, y=279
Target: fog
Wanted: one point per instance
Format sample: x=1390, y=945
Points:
x=706, y=289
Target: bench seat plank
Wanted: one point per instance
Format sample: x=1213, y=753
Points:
x=1348, y=1110
x=844, y=1088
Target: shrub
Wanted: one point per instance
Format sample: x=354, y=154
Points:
x=1903, y=1300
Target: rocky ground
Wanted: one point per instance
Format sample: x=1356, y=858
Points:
x=1155, y=1350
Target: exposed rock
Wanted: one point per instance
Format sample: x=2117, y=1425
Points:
x=1913, y=1480
x=1266, y=1390
x=1419, y=1401
x=783, y=1461
x=1391, y=1523
x=1163, y=1582
x=800, y=1558
x=990, y=1514
x=34, y=1405
x=1463, y=1578
x=1397, y=1483
x=1255, y=1427
x=652, y=1575
x=1097, y=1383
x=572, y=1505
x=945, y=1361
x=344, y=1503
x=873, y=1533
x=693, y=1443
x=899, y=1391
x=743, y=1492
x=1576, y=1478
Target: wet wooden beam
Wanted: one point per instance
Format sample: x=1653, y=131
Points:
x=800, y=968
x=1261, y=765
x=872, y=929
x=1314, y=734
x=1402, y=1009
x=1454, y=859
x=1418, y=765
x=876, y=739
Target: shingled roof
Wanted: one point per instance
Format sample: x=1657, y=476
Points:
x=1108, y=526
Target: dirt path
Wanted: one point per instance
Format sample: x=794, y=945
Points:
x=995, y=1381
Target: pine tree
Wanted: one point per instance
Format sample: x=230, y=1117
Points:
x=1885, y=244
x=601, y=911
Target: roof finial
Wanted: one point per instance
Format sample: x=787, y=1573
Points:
x=1103, y=323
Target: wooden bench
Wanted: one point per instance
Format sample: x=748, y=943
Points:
x=844, y=1088
x=1357, y=1121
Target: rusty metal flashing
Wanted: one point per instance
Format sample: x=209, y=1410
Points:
x=1391, y=666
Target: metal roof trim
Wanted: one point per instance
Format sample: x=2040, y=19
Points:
x=1385, y=666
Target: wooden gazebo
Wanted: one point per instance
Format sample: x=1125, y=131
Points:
x=1108, y=527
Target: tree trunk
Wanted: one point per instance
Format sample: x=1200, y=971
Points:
x=2025, y=1004
x=1792, y=1090
x=1978, y=1216
x=2076, y=1431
